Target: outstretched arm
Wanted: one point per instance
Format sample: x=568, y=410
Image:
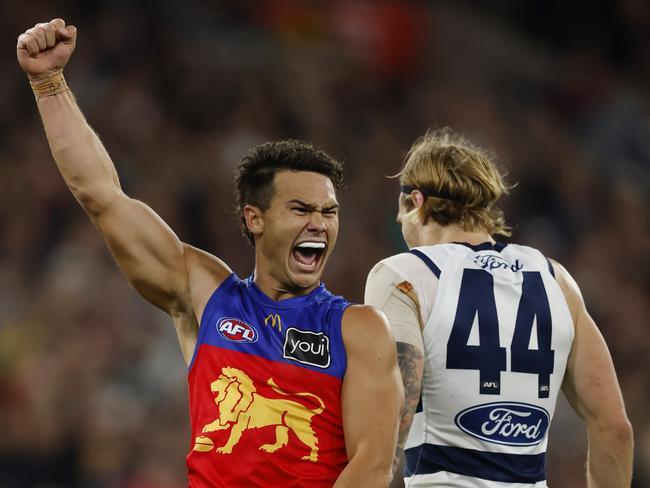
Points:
x=151, y=256
x=372, y=398
x=591, y=387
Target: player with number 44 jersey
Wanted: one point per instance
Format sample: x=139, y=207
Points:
x=487, y=334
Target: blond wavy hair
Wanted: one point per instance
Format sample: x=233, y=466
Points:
x=467, y=177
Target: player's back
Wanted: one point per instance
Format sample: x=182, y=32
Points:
x=496, y=341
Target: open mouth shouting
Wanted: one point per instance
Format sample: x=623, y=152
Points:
x=308, y=255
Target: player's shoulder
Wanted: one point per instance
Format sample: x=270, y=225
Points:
x=405, y=265
x=404, y=271
x=522, y=249
x=368, y=340
x=204, y=265
x=364, y=316
x=529, y=256
x=569, y=287
x=395, y=261
x=365, y=324
x=205, y=274
x=561, y=272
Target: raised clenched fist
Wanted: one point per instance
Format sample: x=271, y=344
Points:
x=45, y=48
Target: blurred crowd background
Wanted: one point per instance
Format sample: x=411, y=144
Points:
x=92, y=383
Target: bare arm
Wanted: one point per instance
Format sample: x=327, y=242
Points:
x=411, y=365
x=148, y=252
x=399, y=302
x=146, y=249
x=591, y=387
x=372, y=398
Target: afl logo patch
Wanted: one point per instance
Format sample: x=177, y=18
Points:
x=307, y=347
x=235, y=330
x=507, y=423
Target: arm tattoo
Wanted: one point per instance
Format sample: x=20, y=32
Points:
x=411, y=365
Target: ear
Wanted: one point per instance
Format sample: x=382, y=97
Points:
x=417, y=198
x=254, y=219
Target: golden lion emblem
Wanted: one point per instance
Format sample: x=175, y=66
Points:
x=242, y=408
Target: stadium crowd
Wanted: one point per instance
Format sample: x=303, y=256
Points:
x=92, y=383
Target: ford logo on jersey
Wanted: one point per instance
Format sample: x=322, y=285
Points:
x=509, y=423
x=236, y=330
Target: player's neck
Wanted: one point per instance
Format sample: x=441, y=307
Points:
x=433, y=233
x=278, y=289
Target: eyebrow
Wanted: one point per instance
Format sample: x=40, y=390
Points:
x=312, y=207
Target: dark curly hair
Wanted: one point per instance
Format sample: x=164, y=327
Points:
x=255, y=172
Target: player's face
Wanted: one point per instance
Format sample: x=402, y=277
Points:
x=300, y=230
x=409, y=227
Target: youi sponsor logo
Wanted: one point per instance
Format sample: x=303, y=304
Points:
x=236, y=330
x=307, y=347
x=509, y=423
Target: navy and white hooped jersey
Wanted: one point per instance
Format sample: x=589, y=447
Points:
x=496, y=341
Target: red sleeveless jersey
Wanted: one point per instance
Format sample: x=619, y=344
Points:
x=265, y=390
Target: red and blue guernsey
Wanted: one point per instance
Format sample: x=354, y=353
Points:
x=265, y=390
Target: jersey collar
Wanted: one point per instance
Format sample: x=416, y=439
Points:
x=484, y=246
x=293, y=302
